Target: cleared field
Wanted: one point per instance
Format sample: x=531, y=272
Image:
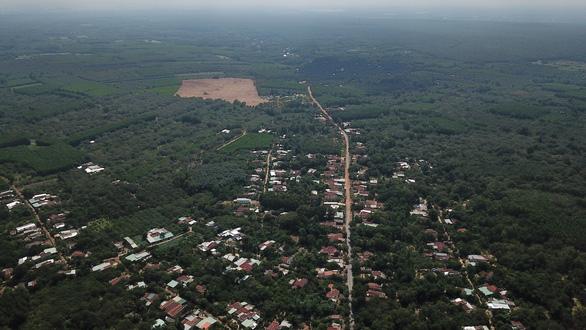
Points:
x=227, y=89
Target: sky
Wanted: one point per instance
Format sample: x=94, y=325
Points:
x=309, y=4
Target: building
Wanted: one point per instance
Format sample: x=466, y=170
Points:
x=130, y=242
x=138, y=256
x=158, y=234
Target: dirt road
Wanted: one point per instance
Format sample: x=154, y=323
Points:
x=348, y=198
x=231, y=141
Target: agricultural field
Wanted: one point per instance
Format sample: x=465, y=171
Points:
x=227, y=89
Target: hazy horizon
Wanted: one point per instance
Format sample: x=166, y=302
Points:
x=308, y=4
x=511, y=10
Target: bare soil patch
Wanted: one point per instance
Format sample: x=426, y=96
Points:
x=227, y=89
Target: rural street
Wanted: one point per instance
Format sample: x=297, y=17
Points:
x=38, y=220
x=348, y=194
x=268, y=170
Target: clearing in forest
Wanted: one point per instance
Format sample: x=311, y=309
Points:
x=227, y=89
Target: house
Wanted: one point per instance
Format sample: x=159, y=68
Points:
x=67, y=234
x=107, y=264
x=245, y=314
x=500, y=304
x=336, y=237
x=158, y=234
x=144, y=255
x=375, y=294
x=232, y=233
x=273, y=326
x=298, y=283
x=465, y=305
x=474, y=258
x=329, y=250
x=173, y=307
x=420, y=209
x=199, y=320
x=44, y=263
x=186, y=221
x=175, y=270
x=185, y=280
x=364, y=214
x=140, y=284
x=13, y=204
x=25, y=228
x=377, y=274
x=150, y=298
x=130, y=242
x=333, y=294
x=517, y=325
x=488, y=290
x=208, y=246
x=438, y=246
x=158, y=324
x=7, y=273
x=91, y=168
x=245, y=264
x=119, y=279
x=243, y=201
x=335, y=326
x=57, y=218
x=201, y=289
x=440, y=256
x=43, y=200
x=266, y=245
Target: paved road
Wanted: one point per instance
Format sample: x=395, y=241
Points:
x=348, y=194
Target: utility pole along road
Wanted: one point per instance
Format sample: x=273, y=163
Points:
x=348, y=202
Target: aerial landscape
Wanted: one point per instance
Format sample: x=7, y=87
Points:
x=310, y=166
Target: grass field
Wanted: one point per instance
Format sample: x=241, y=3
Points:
x=250, y=141
x=139, y=223
x=91, y=88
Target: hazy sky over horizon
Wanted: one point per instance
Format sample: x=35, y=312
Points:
x=300, y=4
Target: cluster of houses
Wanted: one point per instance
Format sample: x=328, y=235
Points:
x=440, y=248
x=178, y=308
x=10, y=200
x=333, y=197
x=33, y=234
x=349, y=129
x=278, y=175
x=244, y=314
x=41, y=200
